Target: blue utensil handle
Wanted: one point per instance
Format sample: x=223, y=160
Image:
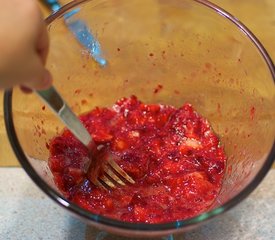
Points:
x=53, y=5
x=82, y=33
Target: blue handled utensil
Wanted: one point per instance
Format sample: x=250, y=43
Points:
x=80, y=30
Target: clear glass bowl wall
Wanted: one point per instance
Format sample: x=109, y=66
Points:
x=194, y=51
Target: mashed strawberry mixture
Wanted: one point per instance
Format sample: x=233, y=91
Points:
x=173, y=155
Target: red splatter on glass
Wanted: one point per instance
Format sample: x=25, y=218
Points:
x=252, y=112
x=84, y=102
x=77, y=91
x=158, y=88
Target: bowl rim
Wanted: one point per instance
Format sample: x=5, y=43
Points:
x=98, y=219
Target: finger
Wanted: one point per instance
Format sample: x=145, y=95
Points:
x=40, y=82
x=38, y=76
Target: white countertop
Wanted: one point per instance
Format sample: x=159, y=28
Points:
x=27, y=213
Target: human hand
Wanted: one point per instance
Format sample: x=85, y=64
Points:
x=23, y=45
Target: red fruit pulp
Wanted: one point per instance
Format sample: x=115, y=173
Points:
x=172, y=154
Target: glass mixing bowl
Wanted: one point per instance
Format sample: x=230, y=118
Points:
x=196, y=51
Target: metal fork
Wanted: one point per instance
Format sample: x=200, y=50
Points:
x=113, y=173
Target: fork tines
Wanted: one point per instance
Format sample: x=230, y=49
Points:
x=113, y=175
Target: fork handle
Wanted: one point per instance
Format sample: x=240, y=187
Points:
x=53, y=99
x=53, y=5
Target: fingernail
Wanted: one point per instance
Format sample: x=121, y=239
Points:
x=25, y=89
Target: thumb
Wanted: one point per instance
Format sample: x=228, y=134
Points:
x=39, y=77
